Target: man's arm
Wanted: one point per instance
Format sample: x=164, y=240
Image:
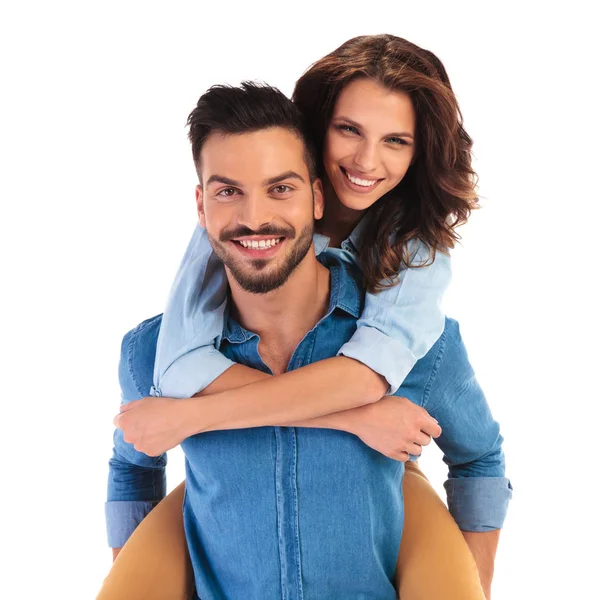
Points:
x=478, y=491
x=483, y=546
x=136, y=481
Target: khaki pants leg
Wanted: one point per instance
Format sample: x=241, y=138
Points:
x=154, y=564
x=434, y=561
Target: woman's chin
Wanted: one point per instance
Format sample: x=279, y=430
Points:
x=360, y=203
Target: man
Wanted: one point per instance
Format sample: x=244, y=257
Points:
x=271, y=511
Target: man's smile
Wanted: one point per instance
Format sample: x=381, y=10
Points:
x=258, y=246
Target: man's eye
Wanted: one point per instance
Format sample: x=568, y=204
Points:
x=227, y=192
x=282, y=189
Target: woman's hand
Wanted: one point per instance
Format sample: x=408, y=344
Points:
x=153, y=425
x=394, y=426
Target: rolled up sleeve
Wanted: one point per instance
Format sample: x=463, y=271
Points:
x=192, y=372
x=400, y=324
x=477, y=490
x=122, y=517
x=478, y=503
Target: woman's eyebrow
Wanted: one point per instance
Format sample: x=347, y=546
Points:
x=359, y=126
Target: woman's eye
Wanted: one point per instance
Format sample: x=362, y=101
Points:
x=347, y=128
x=398, y=141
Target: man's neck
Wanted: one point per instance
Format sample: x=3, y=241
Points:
x=283, y=317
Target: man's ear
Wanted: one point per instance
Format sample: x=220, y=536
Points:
x=200, y=205
x=319, y=202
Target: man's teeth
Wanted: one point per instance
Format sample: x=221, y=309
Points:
x=260, y=244
x=361, y=182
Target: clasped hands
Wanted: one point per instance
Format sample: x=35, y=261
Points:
x=394, y=425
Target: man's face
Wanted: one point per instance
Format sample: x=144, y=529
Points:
x=258, y=205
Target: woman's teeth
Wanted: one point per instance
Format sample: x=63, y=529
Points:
x=361, y=182
x=259, y=244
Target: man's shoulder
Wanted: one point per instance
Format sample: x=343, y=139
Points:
x=138, y=352
x=451, y=371
x=446, y=361
x=449, y=350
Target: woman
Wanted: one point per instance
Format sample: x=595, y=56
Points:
x=394, y=152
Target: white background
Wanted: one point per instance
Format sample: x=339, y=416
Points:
x=97, y=206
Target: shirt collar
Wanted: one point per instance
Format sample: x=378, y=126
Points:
x=344, y=294
x=355, y=237
x=322, y=241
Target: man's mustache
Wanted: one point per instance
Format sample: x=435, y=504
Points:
x=271, y=230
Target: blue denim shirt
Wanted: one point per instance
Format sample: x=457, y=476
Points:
x=291, y=512
x=397, y=326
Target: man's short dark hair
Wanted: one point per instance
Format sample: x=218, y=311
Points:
x=250, y=107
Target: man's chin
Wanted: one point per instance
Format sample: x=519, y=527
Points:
x=264, y=275
x=259, y=285
x=259, y=276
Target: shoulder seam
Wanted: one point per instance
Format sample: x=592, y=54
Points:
x=130, y=361
x=143, y=325
x=438, y=360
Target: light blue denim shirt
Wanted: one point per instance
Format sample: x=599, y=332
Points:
x=397, y=326
x=291, y=512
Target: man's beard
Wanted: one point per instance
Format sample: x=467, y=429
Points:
x=253, y=281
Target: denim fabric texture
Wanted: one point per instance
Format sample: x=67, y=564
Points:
x=291, y=513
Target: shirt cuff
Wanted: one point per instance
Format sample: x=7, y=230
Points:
x=382, y=354
x=478, y=503
x=192, y=372
x=122, y=517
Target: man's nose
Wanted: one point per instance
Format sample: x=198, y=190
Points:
x=366, y=156
x=255, y=212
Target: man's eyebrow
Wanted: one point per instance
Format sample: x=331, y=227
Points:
x=286, y=175
x=358, y=126
x=222, y=179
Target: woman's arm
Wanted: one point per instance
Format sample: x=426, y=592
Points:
x=400, y=324
x=192, y=324
x=393, y=425
x=328, y=386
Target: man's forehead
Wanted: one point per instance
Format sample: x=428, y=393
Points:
x=256, y=155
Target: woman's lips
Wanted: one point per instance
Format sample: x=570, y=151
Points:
x=360, y=187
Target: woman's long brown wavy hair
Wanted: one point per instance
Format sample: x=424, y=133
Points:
x=438, y=191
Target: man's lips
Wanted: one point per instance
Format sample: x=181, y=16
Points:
x=258, y=246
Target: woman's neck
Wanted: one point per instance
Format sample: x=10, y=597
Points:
x=338, y=221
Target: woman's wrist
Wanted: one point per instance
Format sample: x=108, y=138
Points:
x=342, y=421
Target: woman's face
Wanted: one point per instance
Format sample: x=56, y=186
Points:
x=370, y=142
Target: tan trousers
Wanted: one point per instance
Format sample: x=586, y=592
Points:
x=434, y=562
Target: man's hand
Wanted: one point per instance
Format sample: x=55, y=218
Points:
x=394, y=426
x=153, y=425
